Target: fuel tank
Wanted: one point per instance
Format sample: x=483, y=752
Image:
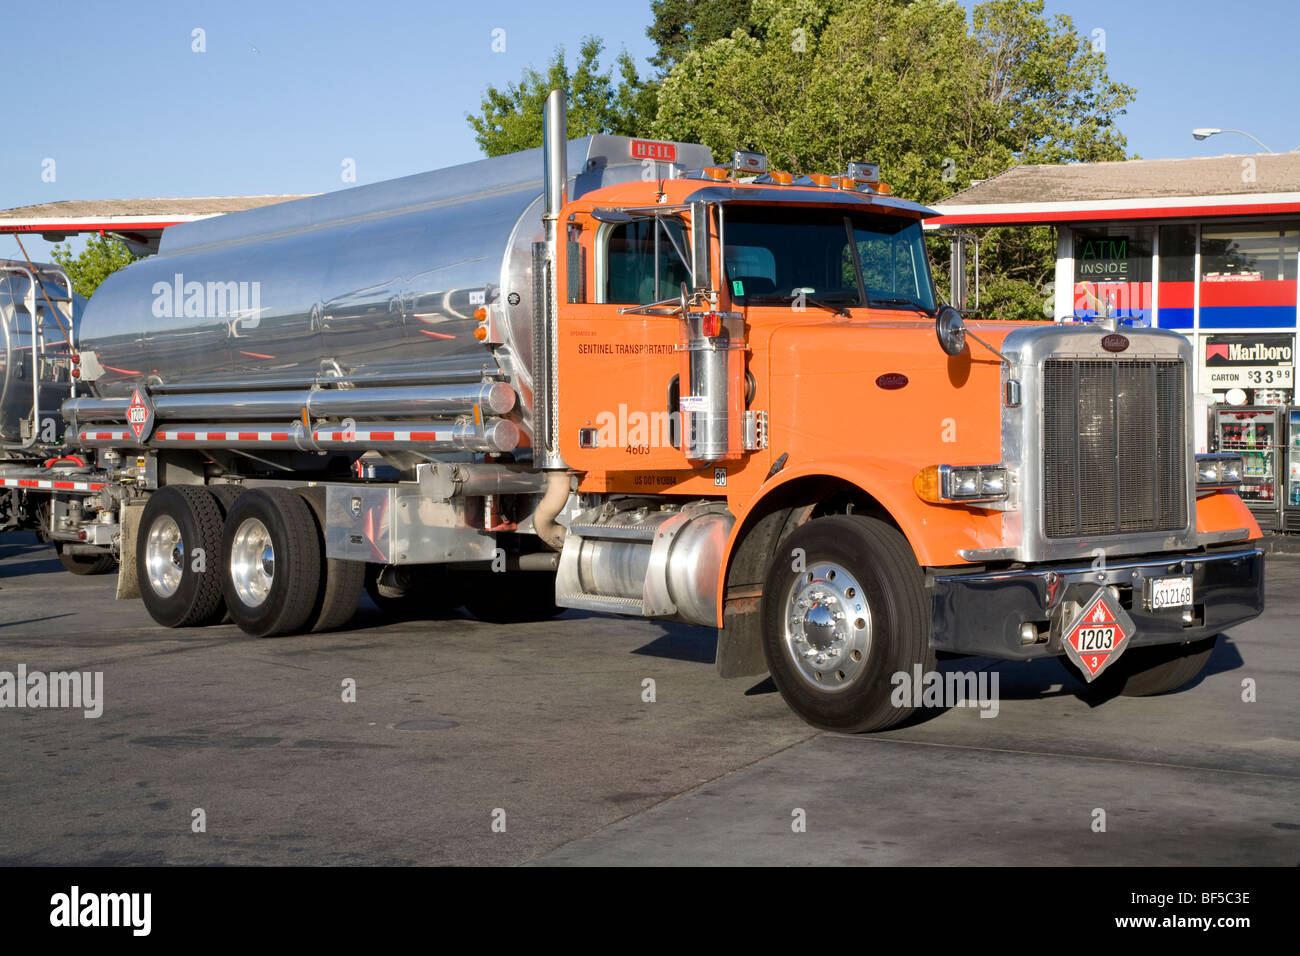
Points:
x=373, y=281
x=39, y=377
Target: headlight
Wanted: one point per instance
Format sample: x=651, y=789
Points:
x=958, y=484
x=1218, y=471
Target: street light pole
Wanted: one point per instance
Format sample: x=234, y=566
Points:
x=1205, y=132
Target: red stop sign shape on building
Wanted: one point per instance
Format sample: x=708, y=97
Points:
x=1098, y=635
x=138, y=415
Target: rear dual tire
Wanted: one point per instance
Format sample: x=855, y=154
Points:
x=254, y=557
x=177, y=557
x=271, y=556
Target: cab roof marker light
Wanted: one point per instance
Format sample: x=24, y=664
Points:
x=748, y=161
x=864, y=172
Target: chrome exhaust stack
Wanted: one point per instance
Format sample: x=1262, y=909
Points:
x=555, y=144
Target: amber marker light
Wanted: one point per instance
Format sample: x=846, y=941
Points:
x=926, y=484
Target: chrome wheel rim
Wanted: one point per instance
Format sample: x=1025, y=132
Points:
x=827, y=627
x=252, y=562
x=164, y=556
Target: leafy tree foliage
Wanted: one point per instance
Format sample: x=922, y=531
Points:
x=681, y=25
x=510, y=119
x=102, y=256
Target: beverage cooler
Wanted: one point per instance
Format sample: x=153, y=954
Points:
x=1271, y=473
x=1291, y=506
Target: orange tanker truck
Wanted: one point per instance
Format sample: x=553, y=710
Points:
x=611, y=375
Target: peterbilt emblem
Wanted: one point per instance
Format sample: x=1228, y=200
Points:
x=1114, y=342
x=356, y=506
x=891, y=380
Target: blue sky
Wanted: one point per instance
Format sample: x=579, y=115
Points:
x=281, y=98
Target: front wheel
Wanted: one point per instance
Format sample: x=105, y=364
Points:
x=844, y=610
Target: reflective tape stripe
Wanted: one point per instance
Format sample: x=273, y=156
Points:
x=51, y=485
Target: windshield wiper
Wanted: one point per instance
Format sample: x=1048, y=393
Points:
x=829, y=307
x=898, y=300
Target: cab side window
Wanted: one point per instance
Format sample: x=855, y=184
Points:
x=630, y=262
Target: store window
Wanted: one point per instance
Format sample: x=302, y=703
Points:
x=1248, y=276
x=1177, y=277
x=1112, y=273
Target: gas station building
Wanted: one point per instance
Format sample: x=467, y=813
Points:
x=1208, y=247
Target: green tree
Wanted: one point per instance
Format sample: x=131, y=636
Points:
x=681, y=25
x=938, y=100
x=510, y=119
x=102, y=256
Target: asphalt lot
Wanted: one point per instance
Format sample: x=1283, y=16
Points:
x=456, y=719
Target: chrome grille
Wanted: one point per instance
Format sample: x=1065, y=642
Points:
x=1114, y=447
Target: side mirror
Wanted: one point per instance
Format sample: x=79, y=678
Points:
x=950, y=330
x=700, y=273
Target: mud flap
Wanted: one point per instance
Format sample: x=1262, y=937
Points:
x=127, y=584
x=740, y=641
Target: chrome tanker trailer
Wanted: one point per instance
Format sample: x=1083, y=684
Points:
x=366, y=359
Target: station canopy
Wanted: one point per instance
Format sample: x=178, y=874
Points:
x=1200, y=188
x=139, y=222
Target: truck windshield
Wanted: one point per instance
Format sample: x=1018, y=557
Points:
x=777, y=255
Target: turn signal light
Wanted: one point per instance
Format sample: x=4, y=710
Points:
x=961, y=484
x=480, y=313
x=711, y=324
x=480, y=333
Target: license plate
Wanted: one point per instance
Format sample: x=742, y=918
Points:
x=1169, y=592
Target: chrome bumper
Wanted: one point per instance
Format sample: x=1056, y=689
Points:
x=984, y=612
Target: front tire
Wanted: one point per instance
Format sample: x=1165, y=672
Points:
x=844, y=610
x=271, y=557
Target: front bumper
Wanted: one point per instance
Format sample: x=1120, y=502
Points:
x=984, y=612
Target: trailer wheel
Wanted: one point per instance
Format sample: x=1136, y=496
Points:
x=86, y=564
x=844, y=609
x=517, y=597
x=1148, y=671
x=225, y=495
x=340, y=590
x=177, y=557
x=271, y=559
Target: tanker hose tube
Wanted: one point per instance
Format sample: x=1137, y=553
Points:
x=544, y=523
